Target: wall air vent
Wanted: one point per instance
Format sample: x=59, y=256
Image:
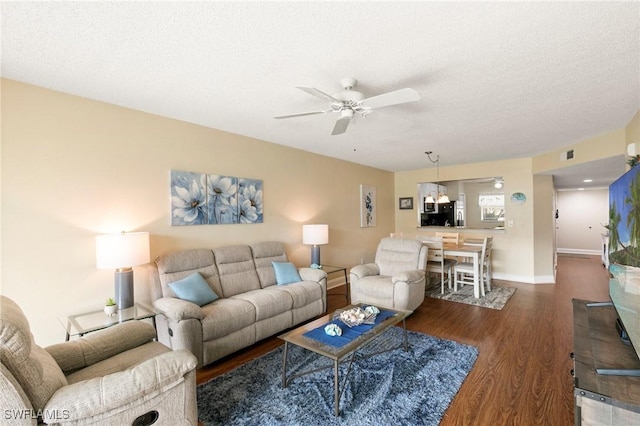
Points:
x=567, y=155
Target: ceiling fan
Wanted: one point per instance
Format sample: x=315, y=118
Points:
x=350, y=102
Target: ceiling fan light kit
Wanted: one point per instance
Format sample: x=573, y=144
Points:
x=350, y=102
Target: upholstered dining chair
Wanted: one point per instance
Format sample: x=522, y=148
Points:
x=436, y=262
x=396, y=278
x=464, y=272
x=118, y=376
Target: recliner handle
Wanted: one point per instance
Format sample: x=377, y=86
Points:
x=146, y=419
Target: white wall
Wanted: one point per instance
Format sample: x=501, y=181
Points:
x=580, y=218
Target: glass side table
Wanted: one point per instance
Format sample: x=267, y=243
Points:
x=86, y=322
x=332, y=269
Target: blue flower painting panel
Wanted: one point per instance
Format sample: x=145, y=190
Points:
x=250, y=200
x=222, y=201
x=188, y=198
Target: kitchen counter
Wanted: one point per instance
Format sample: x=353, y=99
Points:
x=463, y=229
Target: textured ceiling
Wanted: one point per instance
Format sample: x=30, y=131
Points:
x=497, y=80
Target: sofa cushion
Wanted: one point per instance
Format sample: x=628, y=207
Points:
x=34, y=368
x=225, y=316
x=194, y=289
x=180, y=264
x=264, y=253
x=237, y=270
x=286, y=273
x=268, y=302
x=302, y=293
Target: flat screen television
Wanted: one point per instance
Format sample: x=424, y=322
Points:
x=624, y=254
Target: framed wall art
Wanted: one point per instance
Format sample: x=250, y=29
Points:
x=405, y=203
x=367, y=206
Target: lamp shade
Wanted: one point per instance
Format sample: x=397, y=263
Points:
x=124, y=250
x=443, y=198
x=315, y=234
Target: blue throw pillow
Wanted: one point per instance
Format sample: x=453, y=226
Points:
x=286, y=273
x=194, y=289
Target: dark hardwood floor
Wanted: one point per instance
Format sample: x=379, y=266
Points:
x=522, y=375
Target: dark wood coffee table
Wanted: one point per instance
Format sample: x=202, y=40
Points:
x=339, y=354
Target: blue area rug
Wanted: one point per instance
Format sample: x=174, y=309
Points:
x=394, y=388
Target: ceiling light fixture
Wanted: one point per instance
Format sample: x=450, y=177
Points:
x=498, y=184
x=442, y=198
x=588, y=180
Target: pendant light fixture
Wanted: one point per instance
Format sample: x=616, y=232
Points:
x=442, y=198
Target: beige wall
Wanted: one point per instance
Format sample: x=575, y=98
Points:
x=73, y=168
x=632, y=131
x=603, y=146
x=543, y=228
x=524, y=252
x=514, y=265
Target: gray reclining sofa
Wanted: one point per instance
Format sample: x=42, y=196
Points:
x=250, y=304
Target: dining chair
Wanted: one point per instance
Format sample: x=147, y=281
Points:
x=464, y=272
x=449, y=237
x=436, y=262
x=476, y=242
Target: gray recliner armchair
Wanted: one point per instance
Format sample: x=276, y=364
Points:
x=118, y=376
x=396, y=279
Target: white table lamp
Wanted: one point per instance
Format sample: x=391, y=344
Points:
x=121, y=252
x=315, y=235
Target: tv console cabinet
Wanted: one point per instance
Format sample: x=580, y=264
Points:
x=602, y=399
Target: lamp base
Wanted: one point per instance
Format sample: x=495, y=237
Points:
x=124, y=288
x=315, y=255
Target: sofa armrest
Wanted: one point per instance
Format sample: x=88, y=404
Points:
x=408, y=276
x=366, y=270
x=311, y=274
x=101, y=395
x=177, y=309
x=98, y=346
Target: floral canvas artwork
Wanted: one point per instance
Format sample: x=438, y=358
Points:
x=200, y=199
x=250, y=200
x=188, y=198
x=367, y=206
x=222, y=199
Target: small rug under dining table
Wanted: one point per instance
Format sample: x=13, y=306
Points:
x=497, y=298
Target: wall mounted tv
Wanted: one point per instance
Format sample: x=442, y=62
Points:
x=624, y=254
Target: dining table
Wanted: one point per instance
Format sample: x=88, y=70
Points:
x=467, y=251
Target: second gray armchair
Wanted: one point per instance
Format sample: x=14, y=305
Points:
x=396, y=279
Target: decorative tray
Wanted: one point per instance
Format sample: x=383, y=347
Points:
x=356, y=316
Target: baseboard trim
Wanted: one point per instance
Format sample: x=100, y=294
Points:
x=536, y=279
x=578, y=251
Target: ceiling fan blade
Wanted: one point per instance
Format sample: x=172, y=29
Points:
x=391, y=98
x=341, y=125
x=302, y=114
x=318, y=94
